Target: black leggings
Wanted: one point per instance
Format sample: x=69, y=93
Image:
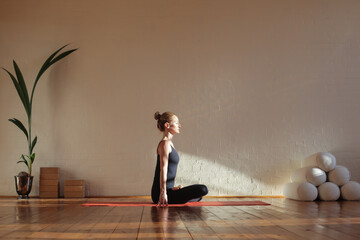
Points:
x=192, y=193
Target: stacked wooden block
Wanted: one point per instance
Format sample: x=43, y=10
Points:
x=74, y=189
x=49, y=182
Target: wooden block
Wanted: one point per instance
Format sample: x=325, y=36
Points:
x=74, y=194
x=51, y=188
x=50, y=176
x=49, y=170
x=49, y=182
x=49, y=194
x=74, y=183
x=74, y=188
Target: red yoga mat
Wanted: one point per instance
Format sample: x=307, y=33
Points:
x=189, y=204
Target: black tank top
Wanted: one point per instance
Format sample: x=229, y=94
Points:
x=173, y=161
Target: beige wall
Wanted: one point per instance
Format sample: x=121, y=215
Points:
x=258, y=86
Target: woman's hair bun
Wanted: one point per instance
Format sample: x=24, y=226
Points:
x=157, y=116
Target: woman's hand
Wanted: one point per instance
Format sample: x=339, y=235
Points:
x=177, y=188
x=163, y=200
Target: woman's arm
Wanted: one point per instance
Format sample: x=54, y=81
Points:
x=164, y=151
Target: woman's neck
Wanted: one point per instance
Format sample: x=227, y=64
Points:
x=167, y=136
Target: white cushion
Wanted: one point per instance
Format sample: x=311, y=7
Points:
x=350, y=191
x=302, y=191
x=329, y=191
x=313, y=175
x=323, y=160
x=339, y=175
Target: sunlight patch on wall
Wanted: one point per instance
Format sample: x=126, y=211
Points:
x=224, y=180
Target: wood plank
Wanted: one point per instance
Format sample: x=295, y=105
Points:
x=54, y=194
x=74, y=194
x=160, y=223
x=299, y=224
x=197, y=228
x=49, y=182
x=284, y=219
x=49, y=188
x=328, y=218
x=49, y=176
x=49, y=170
x=74, y=183
x=74, y=188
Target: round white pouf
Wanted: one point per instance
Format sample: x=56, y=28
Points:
x=329, y=191
x=351, y=191
x=323, y=160
x=302, y=191
x=339, y=175
x=313, y=175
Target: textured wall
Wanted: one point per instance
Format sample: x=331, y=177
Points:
x=257, y=85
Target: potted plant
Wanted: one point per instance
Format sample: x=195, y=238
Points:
x=23, y=181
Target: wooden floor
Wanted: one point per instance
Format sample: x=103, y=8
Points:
x=283, y=219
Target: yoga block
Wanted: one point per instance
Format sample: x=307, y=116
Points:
x=49, y=188
x=49, y=176
x=339, y=175
x=329, y=191
x=313, y=175
x=49, y=170
x=351, y=191
x=74, y=189
x=323, y=160
x=49, y=182
x=74, y=195
x=74, y=183
x=302, y=191
x=54, y=194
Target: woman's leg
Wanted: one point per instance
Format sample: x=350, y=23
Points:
x=186, y=194
x=155, y=192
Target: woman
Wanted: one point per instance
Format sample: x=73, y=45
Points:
x=163, y=191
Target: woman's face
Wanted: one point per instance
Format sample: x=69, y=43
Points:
x=175, y=126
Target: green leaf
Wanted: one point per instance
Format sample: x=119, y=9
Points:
x=21, y=161
x=46, y=64
x=61, y=56
x=32, y=158
x=51, y=60
x=19, y=90
x=22, y=85
x=33, y=144
x=24, y=160
x=19, y=125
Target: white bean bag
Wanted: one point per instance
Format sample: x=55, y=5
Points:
x=323, y=160
x=351, y=191
x=339, y=175
x=302, y=191
x=329, y=191
x=313, y=175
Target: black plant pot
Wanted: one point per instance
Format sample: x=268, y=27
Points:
x=23, y=186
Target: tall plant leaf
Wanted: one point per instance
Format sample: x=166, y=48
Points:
x=19, y=125
x=50, y=61
x=22, y=85
x=33, y=144
x=62, y=55
x=23, y=93
x=19, y=90
x=32, y=158
x=46, y=63
x=24, y=160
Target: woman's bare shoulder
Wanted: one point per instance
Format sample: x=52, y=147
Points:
x=164, y=146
